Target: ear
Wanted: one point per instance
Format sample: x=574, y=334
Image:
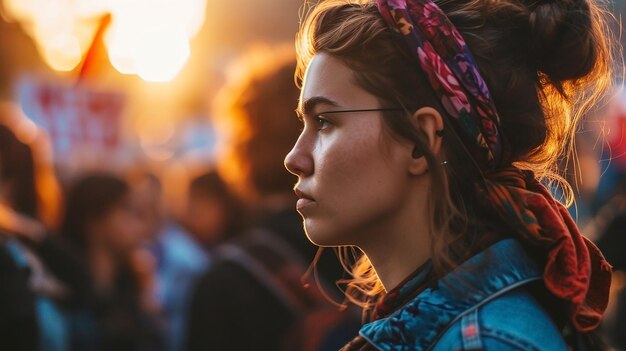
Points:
x=429, y=121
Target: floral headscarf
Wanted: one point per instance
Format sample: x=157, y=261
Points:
x=453, y=74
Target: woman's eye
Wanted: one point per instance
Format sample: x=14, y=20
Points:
x=321, y=123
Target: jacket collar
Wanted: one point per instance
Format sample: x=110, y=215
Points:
x=417, y=325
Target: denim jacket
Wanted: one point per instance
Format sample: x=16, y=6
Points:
x=484, y=304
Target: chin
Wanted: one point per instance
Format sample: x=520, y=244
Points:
x=320, y=237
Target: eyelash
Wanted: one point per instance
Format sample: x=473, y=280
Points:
x=322, y=122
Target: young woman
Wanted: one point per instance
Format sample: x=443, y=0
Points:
x=429, y=129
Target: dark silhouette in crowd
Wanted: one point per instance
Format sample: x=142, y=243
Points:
x=148, y=194
x=18, y=322
x=212, y=212
x=180, y=260
x=252, y=297
x=117, y=310
x=31, y=295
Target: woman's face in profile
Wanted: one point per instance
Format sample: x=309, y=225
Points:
x=352, y=174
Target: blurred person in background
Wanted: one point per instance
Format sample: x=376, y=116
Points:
x=252, y=296
x=180, y=260
x=119, y=312
x=36, y=191
x=213, y=213
x=32, y=298
x=148, y=194
x=183, y=248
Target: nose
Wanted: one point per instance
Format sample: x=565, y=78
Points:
x=299, y=161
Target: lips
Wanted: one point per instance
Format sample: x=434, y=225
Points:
x=304, y=200
x=302, y=195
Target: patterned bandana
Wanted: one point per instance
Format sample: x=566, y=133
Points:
x=452, y=72
x=575, y=269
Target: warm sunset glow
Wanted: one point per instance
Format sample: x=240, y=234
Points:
x=160, y=57
x=121, y=42
x=61, y=51
x=149, y=38
x=19, y=9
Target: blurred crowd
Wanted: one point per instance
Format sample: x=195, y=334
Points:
x=98, y=259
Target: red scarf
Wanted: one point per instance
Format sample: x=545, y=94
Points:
x=575, y=269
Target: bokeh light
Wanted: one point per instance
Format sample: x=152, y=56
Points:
x=150, y=38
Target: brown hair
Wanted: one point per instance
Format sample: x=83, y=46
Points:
x=546, y=64
x=254, y=116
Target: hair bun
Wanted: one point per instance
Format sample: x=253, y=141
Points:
x=562, y=38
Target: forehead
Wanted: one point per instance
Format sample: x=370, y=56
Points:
x=328, y=77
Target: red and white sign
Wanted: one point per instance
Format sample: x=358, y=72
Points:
x=75, y=117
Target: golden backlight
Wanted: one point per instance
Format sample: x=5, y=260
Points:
x=149, y=38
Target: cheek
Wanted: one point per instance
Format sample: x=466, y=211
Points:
x=360, y=185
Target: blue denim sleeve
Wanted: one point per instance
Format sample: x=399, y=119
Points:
x=512, y=322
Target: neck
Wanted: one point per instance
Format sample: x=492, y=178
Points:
x=401, y=245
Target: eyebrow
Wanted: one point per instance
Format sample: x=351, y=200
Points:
x=307, y=107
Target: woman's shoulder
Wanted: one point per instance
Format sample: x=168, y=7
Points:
x=512, y=321
x=485, y=304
